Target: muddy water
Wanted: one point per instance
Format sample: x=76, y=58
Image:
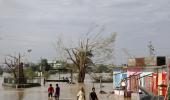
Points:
x=68, y=91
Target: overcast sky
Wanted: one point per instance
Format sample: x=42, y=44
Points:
x=35, y=24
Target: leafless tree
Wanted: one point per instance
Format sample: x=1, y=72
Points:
x=12, y=63
x=91, y=49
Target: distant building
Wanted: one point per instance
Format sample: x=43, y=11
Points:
x=55, y=64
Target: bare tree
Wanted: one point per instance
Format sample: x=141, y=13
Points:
x=12, y=63
x=92, y=48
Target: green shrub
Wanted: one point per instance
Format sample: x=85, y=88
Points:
x=29, y=73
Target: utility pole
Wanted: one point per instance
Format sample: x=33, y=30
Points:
x=151, y=49
x=18, y=68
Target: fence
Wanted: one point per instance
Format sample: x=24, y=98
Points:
x=15, y=81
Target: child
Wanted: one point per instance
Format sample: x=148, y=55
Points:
x=57, y=92
x=81, y=94
x=93, y=95
x=50, y=91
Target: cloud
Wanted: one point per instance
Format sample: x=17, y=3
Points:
x=153, y=33
x=38, y=22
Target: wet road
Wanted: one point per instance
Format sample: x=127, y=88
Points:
x=68, y=92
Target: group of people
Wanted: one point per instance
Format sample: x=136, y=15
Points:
x=80, y=94
x=51, y=91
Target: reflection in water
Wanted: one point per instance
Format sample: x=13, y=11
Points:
x=20, y=94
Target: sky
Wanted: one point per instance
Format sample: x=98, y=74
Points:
x=36, y=24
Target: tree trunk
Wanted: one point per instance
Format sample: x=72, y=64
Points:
x=81, y=75
x=15, y=75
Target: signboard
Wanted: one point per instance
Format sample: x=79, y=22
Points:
x=131, y=62
x=150, y=61
x=140, y=61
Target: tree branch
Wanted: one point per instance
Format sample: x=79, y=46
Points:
x=71, y=57
x=76, y=56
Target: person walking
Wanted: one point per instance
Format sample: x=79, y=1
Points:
x=50, y=91
x=93, y=95
x=81, y=94
x=57, y=92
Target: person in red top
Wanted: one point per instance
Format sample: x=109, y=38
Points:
x=50, y=91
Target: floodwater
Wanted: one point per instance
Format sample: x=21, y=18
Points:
x=68, y=91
